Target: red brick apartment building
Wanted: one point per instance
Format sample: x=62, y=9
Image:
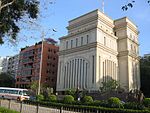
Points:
x=29, y=65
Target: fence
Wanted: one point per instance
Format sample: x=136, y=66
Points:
x=44, y=107
x=28, y=108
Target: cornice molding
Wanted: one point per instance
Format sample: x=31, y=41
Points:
x=127, y=37
x=112, y=35
x=105, y=21
x=80, y=32
x=128, y=53
x=83, y=22
x=87, y=47
x=126, y=25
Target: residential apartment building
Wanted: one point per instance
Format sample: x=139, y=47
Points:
x=98, y=49
x=13, y=65
x=5, y=64
x=1, y=61
x=30, y=64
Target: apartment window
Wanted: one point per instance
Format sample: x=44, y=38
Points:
x=87, y=39
x=71, y=43
x=67, y=45
x=81, y=41
x=76, y=42
x=48, y=50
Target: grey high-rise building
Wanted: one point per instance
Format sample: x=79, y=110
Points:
x=13, y=65
x=5, y=64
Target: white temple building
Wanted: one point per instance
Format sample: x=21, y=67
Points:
x=96, y=50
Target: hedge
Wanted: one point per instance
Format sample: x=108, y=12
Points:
x=59, y=105
x=146, y=102
x=52, y=98
x=87, y=100
x=68, y=99
x=5, y=110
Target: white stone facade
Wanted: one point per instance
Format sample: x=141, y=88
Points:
x=96, y=49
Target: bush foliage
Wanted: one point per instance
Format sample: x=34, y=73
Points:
x=77, y=107
x=114, y=102
x=146, y=102
x=40, y=97
x=4, y=110
x=133, y=105
x=68, y=99
x=52, y=98
x=87, y=99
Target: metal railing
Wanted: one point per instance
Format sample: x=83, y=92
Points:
x=47, y=107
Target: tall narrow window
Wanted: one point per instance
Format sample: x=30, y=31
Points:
x=93, y=69
x=104, y=40
x=81, y=41
x=65, y=78
x=76, y=42
x=59, y=72
x=71, y=43
x=115, y=33
x=131, y=47
x=67, y=45
x=87, y=39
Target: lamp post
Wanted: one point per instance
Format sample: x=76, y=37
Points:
x=41, y=62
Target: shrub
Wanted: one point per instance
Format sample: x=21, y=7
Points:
x=40, y=97
x=71, y=92
x=86, y=108
x=146, y=102
x=133, y=105
x=97, y=103
x=52, y=98
x=87, y=99
x=114, y=102
x=68, y=99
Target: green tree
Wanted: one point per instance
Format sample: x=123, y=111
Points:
x=130, y=4
x=71, y=92
x=34, y=86
x=7, y=80
x=109, y=85
x=145, y=75
x=14, y=11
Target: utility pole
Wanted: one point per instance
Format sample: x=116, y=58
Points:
x=41, y=63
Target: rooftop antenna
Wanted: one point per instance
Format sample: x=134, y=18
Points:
x=103, y=5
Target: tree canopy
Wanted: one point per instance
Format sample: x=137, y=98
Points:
x=7, y=80
x=131, y=4
x=110, y=85
x=13, y=12
x=145, y=75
